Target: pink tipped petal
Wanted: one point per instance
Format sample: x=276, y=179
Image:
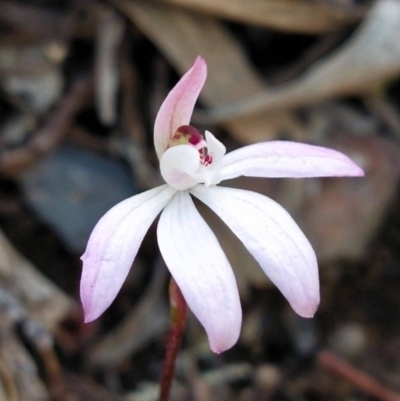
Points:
x=113, y=245
x=273, y=238
x=287, y=159
x=201, y=270
x=179, y=166
x=178, y=106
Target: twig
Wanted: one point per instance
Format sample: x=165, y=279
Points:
x=360, y=379
x=30, y=23
x=381, y=107
x=13, y=161
x=110, y=32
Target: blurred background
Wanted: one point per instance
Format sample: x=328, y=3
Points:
x=80, y=85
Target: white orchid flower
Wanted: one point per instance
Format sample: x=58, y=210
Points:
x=193, y=166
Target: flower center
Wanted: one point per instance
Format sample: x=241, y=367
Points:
x=188, y=135
x=191, y=159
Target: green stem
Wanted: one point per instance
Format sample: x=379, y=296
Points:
x=178, y=319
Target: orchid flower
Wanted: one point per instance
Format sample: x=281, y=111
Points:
x=192, y=165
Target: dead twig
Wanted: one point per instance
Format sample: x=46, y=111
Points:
x=29, y=23
x=42, y=341
x=14, y=161
x=381, y=107
x=110, y=31
x=359, y=378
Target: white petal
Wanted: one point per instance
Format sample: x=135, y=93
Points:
x=273, y=238
x=212, y=173
x=201, y=270
x=113, y=246
x=215, y=147
x=287, y=159
x=180, y=166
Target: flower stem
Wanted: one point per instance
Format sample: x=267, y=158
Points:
x=178, y=319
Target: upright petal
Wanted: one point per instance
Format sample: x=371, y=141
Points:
x=178, y=106
x=201, y=270
x=215, y=147
x=211, y=173
x=180, y=165
x=113, y=246
x=273, y=238
x=287, y=159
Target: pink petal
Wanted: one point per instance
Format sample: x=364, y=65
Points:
x=273, y=238
x=201, y=270
x=178, y=106
x=287, y=159
x=113, y=245
x=179, y=166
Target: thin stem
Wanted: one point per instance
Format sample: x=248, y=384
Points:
x=178, y=319
x=359, y=378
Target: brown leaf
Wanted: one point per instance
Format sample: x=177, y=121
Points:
x=145, y=322
x=44, y=301
x=366, y=62
x=110, y=30
x=342, y=215
x=182, y=36
x=301, y=16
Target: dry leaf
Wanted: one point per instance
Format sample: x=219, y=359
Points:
x=341, y=216
x=44, y=301
x=144, y=323
x=19, y=378
x=182, y=36
x=110, y=29
x=301, y=16
x=368, y=60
